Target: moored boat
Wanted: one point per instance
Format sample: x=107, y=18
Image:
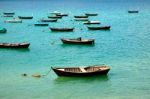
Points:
x=48, y=20
x=83, y=16
x=25, y=17
x=77, y=41
x=91, y=14
x=3, y=30
x=133, y=11
x=98, y=27
x=62, y=14
x=14, y=21
x=92, y=22
x=55, y=17
x=8, y=13
x=81, y=19
x=81, y=71
x=62, y=29
x=41, y=24
x=14, y=45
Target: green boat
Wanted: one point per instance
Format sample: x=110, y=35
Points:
x=3, y=30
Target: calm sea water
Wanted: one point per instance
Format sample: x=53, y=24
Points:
x=125, y=48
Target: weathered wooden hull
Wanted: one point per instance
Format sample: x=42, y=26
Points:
x=133, y=11
x=49, y=20
x=99, y=28
x=14, y=45
x=91, y=14
x=82, y=74
x=25, y=17
x=62, y=29
x=78, y=42
x=81, y=16
x=39, y=24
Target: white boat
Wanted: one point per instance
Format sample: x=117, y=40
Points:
x=14, y=21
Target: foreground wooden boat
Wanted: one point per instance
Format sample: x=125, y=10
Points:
x=133, y=11
x=98, y=27
x=48, y=20
x=14, y=45
x=41, y=24
x=78, y=41
x=25, y=17
x=92, y=22
x=8, y=13
x=3, y=30
x=83, y=16
x=62, y=29
x=14, y=21
x=91, y=14
x=81, y=19
x=81, y=71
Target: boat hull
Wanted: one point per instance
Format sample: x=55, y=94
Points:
x=87, y=74
x=25, y=17
x=17, y=45
x=62, y=29
x=3, y=30
x=78, y=42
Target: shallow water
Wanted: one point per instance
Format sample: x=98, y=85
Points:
x=125, y=48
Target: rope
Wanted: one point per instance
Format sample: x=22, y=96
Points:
x=47, y=72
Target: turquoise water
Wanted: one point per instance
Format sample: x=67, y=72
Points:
x=125, y=48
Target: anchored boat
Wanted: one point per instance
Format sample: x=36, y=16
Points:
x=62, y=29
x=14, y=45
x=78, y=41
x=81, y=71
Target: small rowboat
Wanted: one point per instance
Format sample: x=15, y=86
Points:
x=8, y=13
x=3, y=30
x=14, y=45
x=41, y=24
x=91, y=14
x=14, y=21
x=92, y=22
x=48, y=20
x=133, y=11
x=78, y=41
x=81, y=19
x=83, y=16
x=81, y=71
x=62, y=29
x=98, y=27
x=55, y=17
x=25, y=17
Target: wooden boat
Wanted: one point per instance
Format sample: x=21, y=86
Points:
x=61, y=14
x=14, y=21
x=55, y=17
x=25, y=17
x=8, y=13
x=77, y=41
x=133, y=11
x=3, y=30
x=92, y=22
x=83, y=16
x=81, y=71
x=48, y=20
x=62, y=29
x=81, y=19
x=91, y=14
x=98, y=27
x=41, y=24
x=14, y=45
